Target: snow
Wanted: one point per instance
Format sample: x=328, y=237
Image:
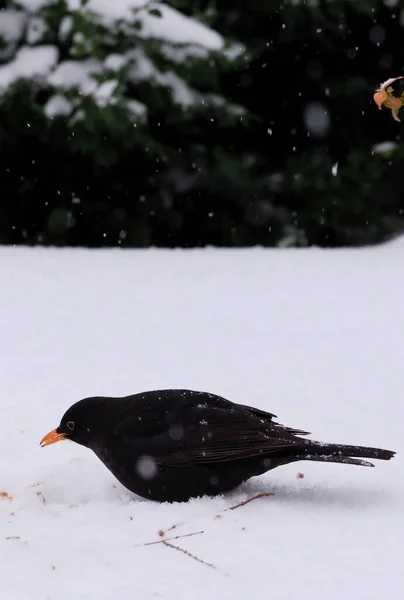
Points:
x=316, y=118
x=137, y=108
x=180, y=54
x=36, y=30
x=182, y=38
x=386, y=147
x=12, y=24
x=76, y=73
x=172, y=26
x=66, y=27
x=35, y=5
x=177, y=28
x=315, y=336
x=114, y=62
x=144, y=69
x=105, y=93
x=29, y=62
x=58, y=105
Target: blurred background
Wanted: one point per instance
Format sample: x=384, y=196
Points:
x=132, y=123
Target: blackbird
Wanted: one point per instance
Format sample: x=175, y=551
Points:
x=173, y=445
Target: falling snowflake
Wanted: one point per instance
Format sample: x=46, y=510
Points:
x=146, y=467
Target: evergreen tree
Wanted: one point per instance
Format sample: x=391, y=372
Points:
x=127, y=89
x=195, y=123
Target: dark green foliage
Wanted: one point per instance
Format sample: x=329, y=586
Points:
x=281, y=172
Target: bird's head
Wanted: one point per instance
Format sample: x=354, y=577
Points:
x=80, y=423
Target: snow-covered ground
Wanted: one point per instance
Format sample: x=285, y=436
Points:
x=314, y=336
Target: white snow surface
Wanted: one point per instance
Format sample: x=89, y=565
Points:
x=315, y=336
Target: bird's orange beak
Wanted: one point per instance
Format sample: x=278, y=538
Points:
x=51, y=438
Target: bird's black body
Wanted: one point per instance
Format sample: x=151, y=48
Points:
x=172, y=445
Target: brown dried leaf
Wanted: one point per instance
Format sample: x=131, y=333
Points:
x=41, y=496
x=6, y=495
x=384, y=97
x=379, y=97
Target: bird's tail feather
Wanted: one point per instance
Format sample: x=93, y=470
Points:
x=340, y=453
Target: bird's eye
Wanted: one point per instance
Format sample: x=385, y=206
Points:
x=70, y=425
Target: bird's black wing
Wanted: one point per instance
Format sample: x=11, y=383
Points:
x=206, y=434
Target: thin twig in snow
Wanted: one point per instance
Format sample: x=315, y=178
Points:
x=262, y=495
x=175, y=526
x=177, y=537
x=203, y=562
x=218, y=516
